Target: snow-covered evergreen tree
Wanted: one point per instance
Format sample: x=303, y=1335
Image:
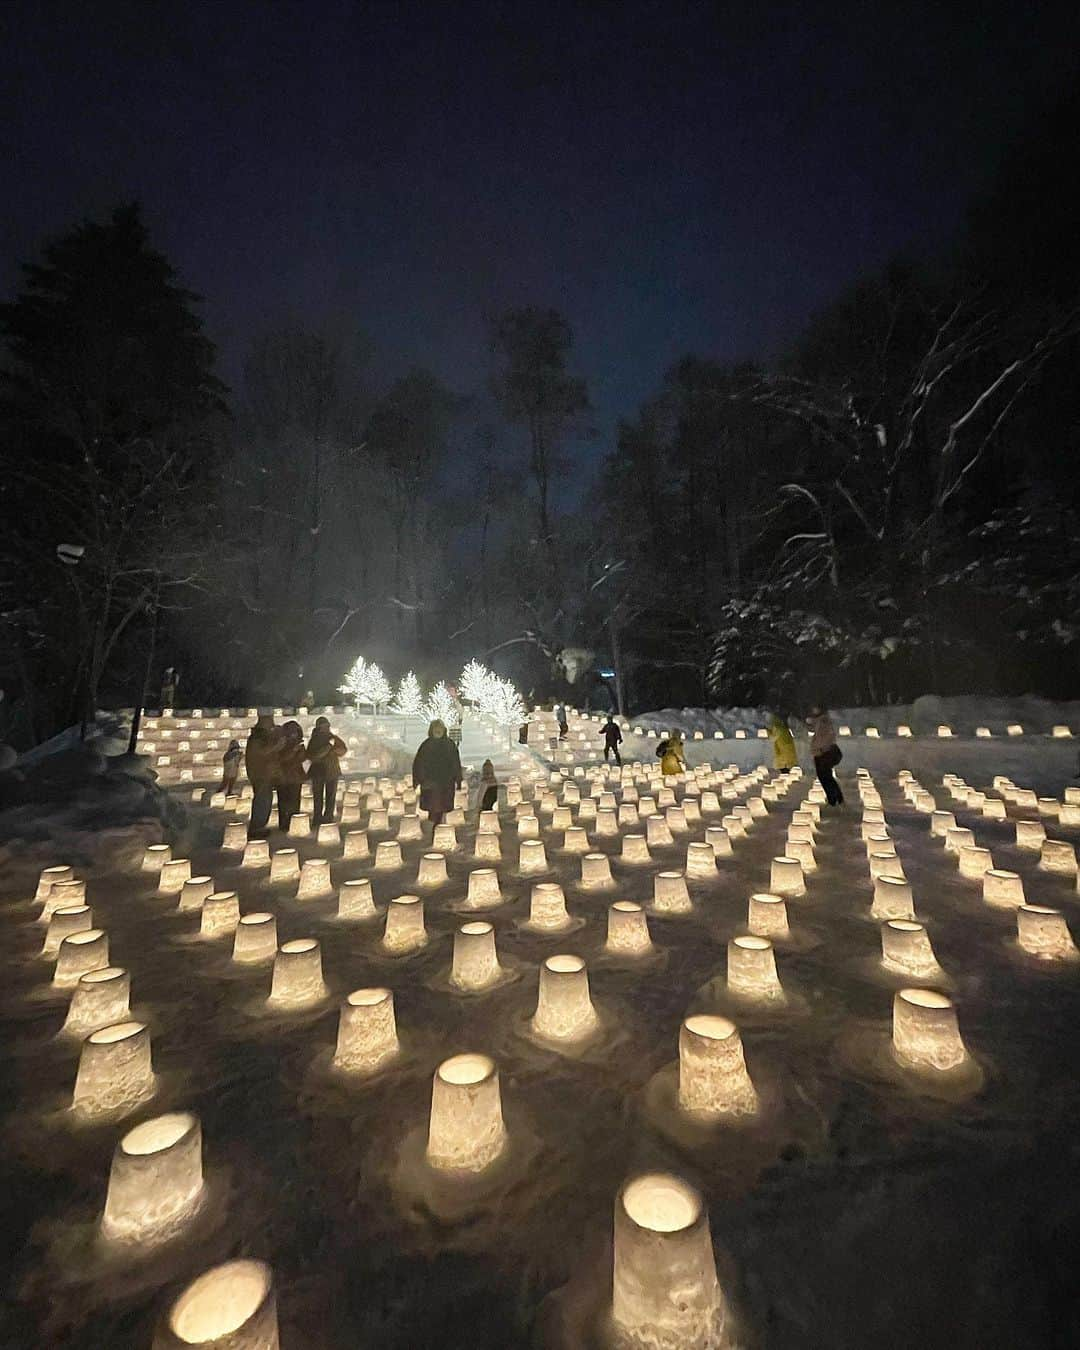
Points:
x=410, y=697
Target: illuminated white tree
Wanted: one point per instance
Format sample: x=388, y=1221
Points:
x=354, y=684
x=505, y=705
x=441, y=705
x=410, y=697
x=474, y=683
x=377, y=689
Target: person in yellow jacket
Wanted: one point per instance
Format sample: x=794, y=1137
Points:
x=784, y=754
x=673, y=760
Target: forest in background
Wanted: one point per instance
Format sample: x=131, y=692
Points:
x=891, y=508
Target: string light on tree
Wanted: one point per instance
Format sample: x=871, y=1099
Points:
x=440, y=706
x=409, y=701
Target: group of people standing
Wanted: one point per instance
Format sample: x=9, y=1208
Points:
x=823, y=747
x=278, y=762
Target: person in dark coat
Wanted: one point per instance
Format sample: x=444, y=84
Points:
x=436, y=771
x=560, y=717
x=487, y=790
x=230, y=768
x=290, y=774
x=324, y=751
x=612, y=739
x=827, y=754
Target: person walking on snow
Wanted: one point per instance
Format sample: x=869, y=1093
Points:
x=783, y=742
x=436, y=771
x=230, y=767
x=487, y=790
x=290, y=772
x=324, y=751
x=564, y=725
x=827, y=754
x=672, y=758
x=612, y=739
x=260, y=761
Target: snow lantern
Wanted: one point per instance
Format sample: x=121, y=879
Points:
x=975, y=862
x=299, y=825
x=1058, y=855
x=367, y=1031
x=926, y=1036
x=719, y=841
x=700, y=861
x=487, y=847
x=532, y=856
x=1003, y=888
x=388, y=856
x=444, y=838
x=475, y=962
x=713, y=1081
x=635, y=849
x=658, y=832
x=627, y=930
x=595, y=870
x=220, y=914
x=156, y=1180
x=256, y=853
x=229, y=1307
x=255, y=939
x=564, y=1010
x=410, y=827
x=892, y=898
x=466, y=1133
x=298, y=979
x=155, y=856
x=1044, y=933
x=284, y=865
x=70, y=919
x=115, y=1070
x=906, y=949
x=786, y=877
x=194, y=891
x=767, y=916
x=79, y=953
x=356, y=844
x=404, y=931
x=1030, y=834
x=100, y=998
x=751, y=970
x=670, y=894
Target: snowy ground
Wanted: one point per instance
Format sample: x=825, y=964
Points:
x=860, y=1209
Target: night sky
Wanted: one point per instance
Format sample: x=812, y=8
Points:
x=671, y=176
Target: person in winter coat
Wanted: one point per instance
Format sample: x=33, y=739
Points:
x=783, y=743
x=564, y=725
x=230, y=767
x=260, y=761
x=436, y=771
x=827, y=754
x=324, y=751
x=290, y=773
x=673, y=760
x=612, y=739
x=487, y=792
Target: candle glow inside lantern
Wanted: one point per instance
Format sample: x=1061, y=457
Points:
x=892, y=898
x=100, y=998
x=906, y=949
x=926, y=1036
x=404, y=930
x=595, y=870
x=298, y=979
x=627, y=930
x=487, y=846
x=1059, y=856
x=156, y=1180
x=432, y=870
x=670, y=894
x=193, y=892
x=79, y=953
x=255, y=939
x=285, y=865
x=767, y=916
x=635, y=849
x=230, y=1307
x=367, y=1032
x=719, y=841
x=1043, y=932
x=786, y=877
x=713, y=1080
x=444, y=838
x=532, y=856
x=62, y=895
x=388, y=856
x=65, y=921
x=751, y=970
x=475, y=963
x=115, y=1070
x=356, y=844
x=155, y=856
x=299, y=825
x=328, y=835
x=466, y=1133
x=564, y=1010
x=1002, y=888
x=48, y=878
x=528, y=826
x=665, y=1294
x=658, y=832
x=220, y=914
x=700, y=861
x=355, y=901
x=547, y=907
x=256, y=853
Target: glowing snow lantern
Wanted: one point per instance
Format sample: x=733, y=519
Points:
x=1014, y=729
x=892, y=898
x=719, y=841
x=676, y=819
x=487, y=846
x=219, y=915
x=298, y=979
x=665, y=1291
x=564, y=1010
x=255, y=939
x=299, y=825
x=635, y=849
x=607, y=823
x=941, y=822
x=957, y=838
x=670, y=895
x=156, y=1181
x=355, y=901
x=751, y=970
x=595, y=870
x=367, y=1032
x=378, y=820
x=1044, y=933
x=767, y=916
x=944, y=731
x=155, y=856
x=700, y=861
x=786, y=877
x=713, y=1081
x=230, y=1307
x=194, y=891
x=528, y=826
x=975, y=862
x=100, y=998
x=532, y=856
x=1058, y=855
x=1005, y=889
x=466, y=1132
x=903, y=730
x=1060, y=731
x=444, y=838
x=432, y=870
x=627, y=930
x=906, y=949
x=256, y=853
x=62, y=895
x=475, y=963
x=284, y=865
x=483, y=889
x=803, y=853
x=404, y=931
x=49, y=876
x=79, y=953
x=70, y=919
x=328, y=836
x=575, y=840
x=885, y=864
x=356, y=844
x=410, y=828
x=926, y=1036
x=388, y=856
x=115, y=1070
x=994, y=809
x=658, y=832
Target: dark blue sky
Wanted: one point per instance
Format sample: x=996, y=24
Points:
x=672, y=176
